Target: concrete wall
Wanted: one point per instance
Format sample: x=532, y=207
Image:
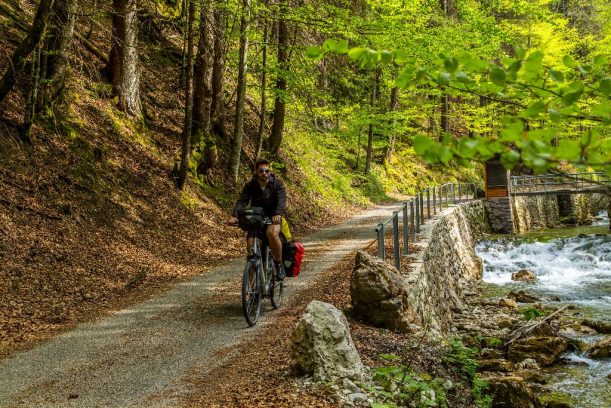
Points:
x=446, y=263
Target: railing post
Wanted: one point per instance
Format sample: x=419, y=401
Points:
x=421, y=208
x=417, y=213
x=395, y=239
x=428, y=203
x=475, y=191
x=434, y=200
x=459, y=193
x=447, y=194
x=380, y=231
x=405, y=231
x=412, y=220
x=440, y=198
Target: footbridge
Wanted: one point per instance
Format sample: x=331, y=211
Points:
x=575, y=183
x=502, y=188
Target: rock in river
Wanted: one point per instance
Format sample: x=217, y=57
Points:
x=545, y=350
x=602, y=349
x=524, y=275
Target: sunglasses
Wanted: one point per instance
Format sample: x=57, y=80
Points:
x=266, y=171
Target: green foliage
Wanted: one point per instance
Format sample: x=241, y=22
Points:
x=397, y=386
x=531, y=312
x=463, y=358
x=542, y=104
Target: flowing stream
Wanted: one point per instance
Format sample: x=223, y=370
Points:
x=573, y=265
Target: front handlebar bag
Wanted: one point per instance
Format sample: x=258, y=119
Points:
x=251, y=219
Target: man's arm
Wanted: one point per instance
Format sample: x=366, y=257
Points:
x=243, y=200
x=280, y=198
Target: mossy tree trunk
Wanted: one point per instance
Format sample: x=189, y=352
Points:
x=275, y=138
x=123, y=62
x=19, y=58
x=185, y=156
x=217, y=108
x=375, y=89
x=58, y=50
x=202, y=92
x=236, y=148
x=263, y=112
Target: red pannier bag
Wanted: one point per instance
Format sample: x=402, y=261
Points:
x=292, y=256
x=300, y=250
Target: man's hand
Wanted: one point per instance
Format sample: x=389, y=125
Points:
x=276, y=219
x=233, y=221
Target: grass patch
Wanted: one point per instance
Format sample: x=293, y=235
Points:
x=463, y=359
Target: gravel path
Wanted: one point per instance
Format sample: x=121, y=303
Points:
x=136, y=357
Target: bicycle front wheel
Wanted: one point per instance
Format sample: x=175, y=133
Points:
x=251, y=294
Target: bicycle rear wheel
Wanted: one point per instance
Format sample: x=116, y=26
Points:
x=276, y=290
x=251, y=294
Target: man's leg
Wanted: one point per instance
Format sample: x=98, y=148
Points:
x=273, y=235
x=249, y=244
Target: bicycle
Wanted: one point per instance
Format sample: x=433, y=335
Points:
x=259, y=277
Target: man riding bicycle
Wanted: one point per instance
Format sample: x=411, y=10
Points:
x=268, y=192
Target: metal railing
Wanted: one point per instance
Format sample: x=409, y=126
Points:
x=591, y=182
x=407, y=221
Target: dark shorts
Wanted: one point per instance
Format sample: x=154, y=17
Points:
x=253, y=234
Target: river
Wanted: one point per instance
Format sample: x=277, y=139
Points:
x=573, y=265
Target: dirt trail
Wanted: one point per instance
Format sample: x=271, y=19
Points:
x=137, y=356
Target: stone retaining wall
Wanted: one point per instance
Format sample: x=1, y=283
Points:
x=536, y=212
x=539, y=212
x=446, y=263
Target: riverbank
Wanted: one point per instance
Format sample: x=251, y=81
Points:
x=572, y=270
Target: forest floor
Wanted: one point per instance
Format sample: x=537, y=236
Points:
x=158, y=352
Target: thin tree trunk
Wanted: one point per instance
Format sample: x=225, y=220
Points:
x=203, y=70
x=374, y=97
x=186, y=131
x=58, y=51
x=275, y=138
x=236, y=149
x=30, y=109
x=217, y=108
x=25, y=48
x=394, y=103
x=444, y=122
x=123, y=62
x=263, y=94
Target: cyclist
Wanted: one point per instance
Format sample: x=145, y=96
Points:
x=268, y=192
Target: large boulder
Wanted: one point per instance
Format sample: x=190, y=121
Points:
x=380, y=295
x=323, y=347
x=602, y=349
x=545, y=350
x=511, y=391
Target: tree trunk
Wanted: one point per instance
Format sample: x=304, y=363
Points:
x=123, y=62
x=186, y=131
x=394, y=103
x=444, y=122
x=58, y=51
x=203, y=69
x=236, y=148
x=25, y=48
x=217, y=108
x=263, y=94
x=374, y=97
x=275, y=138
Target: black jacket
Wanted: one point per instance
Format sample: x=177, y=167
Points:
x=272, y=198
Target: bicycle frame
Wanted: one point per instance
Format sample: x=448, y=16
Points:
x=263, y=263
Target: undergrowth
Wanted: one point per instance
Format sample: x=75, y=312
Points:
x=397, y=386
x=463, y=359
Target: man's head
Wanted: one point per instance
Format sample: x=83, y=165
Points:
x=262, y=169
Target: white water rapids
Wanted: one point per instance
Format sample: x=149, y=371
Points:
x=575, y=270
